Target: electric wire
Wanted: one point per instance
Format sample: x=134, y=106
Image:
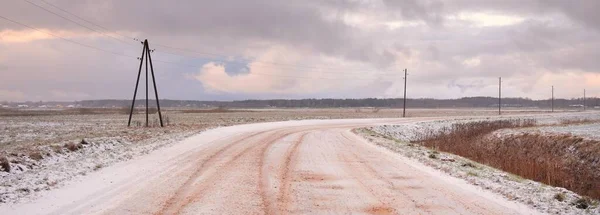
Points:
x=184, y=49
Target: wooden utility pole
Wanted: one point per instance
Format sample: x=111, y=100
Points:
x=145, y=55
x=404, y=106
x=499, y=95
x=146, y=47
x=552, y=102
x=583, y=99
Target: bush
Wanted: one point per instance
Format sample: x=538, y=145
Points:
x=583, y=203
x=560, y=197
x=5, y=164
x=433, y=156
x=36, y=155
x=73, y=146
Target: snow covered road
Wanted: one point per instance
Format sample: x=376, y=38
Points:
x=293, y=167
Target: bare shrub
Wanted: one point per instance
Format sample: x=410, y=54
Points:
x=560, y=197
x=220, y=109
x=376, y=110
x=57, y=149
x=584, y=203
x=73, y=146
x=577, y=121
x=5, y=164
x=36, y=155
x=558, y=160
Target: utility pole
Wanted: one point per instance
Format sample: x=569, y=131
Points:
x=146, y=47
x=145, y=55
x=583, y=99
x=404, y=106
x=499, y=95
x=552, y=102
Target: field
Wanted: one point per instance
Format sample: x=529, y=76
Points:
x=23, y=131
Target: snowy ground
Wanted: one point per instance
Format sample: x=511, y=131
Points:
x=540, y=196
x=44, y=150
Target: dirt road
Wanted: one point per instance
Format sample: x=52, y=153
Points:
x=296, y=167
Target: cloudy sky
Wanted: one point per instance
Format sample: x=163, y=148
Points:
x=238, y=49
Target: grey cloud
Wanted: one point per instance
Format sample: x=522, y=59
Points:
x=239, y=28
x=430, y=11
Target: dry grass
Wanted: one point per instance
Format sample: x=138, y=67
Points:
x=61, y=112
x=36, y=155
x=73, y=146
x=558, y=160
x=214, y=110
x=577, y=121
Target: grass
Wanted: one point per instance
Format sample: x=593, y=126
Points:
x=577, y=121
x=558, y=160
x=4, y=164
x=560, y=197
x=214, y=110
x=471, y=173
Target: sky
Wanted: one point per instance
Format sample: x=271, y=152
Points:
x=65, y=50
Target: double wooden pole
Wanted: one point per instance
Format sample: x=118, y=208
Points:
x=145, y=54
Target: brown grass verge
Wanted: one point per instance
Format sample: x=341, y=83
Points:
x=577, y=121
x=558, y=160
x=215, y=110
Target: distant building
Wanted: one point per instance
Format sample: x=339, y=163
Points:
x=22, y=106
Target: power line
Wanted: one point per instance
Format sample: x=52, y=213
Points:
x=72, y=21
x=85, y=20
x=66, y=39
x=167, y=46
x=166, y=62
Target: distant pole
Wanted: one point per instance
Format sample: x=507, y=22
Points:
x=499, y=95
x=552, y=102
x=404, y=106
x=583, y=99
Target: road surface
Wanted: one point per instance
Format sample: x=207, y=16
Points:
x=296, y=167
